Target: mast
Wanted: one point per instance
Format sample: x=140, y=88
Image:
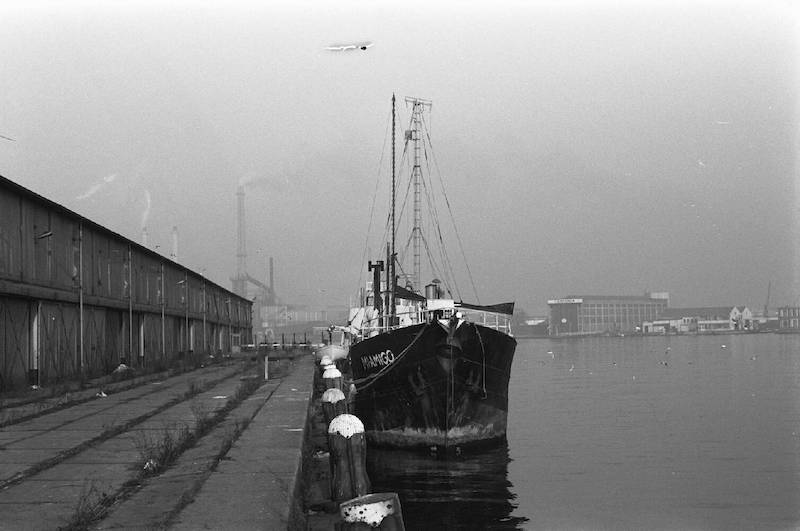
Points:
x=392, y=284
x=416, y=121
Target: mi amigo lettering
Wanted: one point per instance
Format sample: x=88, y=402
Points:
x=381, y=359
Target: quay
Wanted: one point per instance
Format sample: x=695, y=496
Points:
x=78, y=466
x=133, y=395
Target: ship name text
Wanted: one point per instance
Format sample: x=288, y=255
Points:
x=381, y=359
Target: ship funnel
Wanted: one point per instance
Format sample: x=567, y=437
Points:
x=432, y=290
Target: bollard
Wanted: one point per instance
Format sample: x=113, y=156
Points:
x=372, y=511
x=266, y=366
x=332, y=378
x=319, y=382
x=333, y=404
x=348, y=449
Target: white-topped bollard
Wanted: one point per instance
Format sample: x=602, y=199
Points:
x=333, y=404
x=373, y=511
x=332, y=378
x=348, y=449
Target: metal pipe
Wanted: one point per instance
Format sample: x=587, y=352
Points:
x=205, y=337
x=80, y=294
x=163, y=324
x=186, y=307
x=130, y=306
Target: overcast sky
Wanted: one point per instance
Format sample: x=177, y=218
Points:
x=586, y=147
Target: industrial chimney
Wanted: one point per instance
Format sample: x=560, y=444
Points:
x=174, y=255
x=144, y=236
x=271, y=277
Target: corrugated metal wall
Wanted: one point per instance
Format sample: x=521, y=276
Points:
x=58, y=270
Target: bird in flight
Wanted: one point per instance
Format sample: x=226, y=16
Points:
x=351, y=46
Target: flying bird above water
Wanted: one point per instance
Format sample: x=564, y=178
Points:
x=351, y=46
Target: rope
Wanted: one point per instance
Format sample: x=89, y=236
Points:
x=372, y=206
x=372, y=378
x=483, y=360
x=452, y=218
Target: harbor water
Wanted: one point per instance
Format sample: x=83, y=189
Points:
x=660, y=433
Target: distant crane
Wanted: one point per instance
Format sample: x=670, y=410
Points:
x=766, y=303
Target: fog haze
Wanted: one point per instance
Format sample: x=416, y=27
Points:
x=587, y=148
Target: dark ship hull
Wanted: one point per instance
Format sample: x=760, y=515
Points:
x=431, y=385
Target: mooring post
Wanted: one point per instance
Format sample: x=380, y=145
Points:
x=266, y=364
x=348, y=458
x=333, y=404
x=332, y=377
x=372, y=511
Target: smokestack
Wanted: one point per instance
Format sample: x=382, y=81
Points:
x=271, y=277
x=174, y=254
x=144, y=236
x=241, y=253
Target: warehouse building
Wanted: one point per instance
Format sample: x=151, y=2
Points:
x=604, y=314
x=701, y=320
x=789, y=319
x=77, y=299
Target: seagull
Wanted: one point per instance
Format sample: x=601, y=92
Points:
x=571, y=368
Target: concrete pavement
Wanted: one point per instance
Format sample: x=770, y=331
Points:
x=256, y=485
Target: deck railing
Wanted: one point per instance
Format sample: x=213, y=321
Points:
x=496, y=321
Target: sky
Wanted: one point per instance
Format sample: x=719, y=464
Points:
x=585, y=147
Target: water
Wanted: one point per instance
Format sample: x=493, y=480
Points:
x=661, y=433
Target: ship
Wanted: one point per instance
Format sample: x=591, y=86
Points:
x=428, y=369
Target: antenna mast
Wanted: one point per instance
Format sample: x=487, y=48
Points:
x=392, y=284
x=416, y=122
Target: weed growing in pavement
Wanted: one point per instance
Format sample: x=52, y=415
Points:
x=204, y=419
x=245, y=389
x=8, y=417
x=88, y=509
x=194, y=388
x=232, y=433
x=158, y=450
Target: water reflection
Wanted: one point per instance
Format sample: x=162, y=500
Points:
x=470, y=491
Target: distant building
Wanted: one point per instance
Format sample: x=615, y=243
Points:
x=531, y=327
x=599, y=314
x=789, y=318
x=701, y=320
